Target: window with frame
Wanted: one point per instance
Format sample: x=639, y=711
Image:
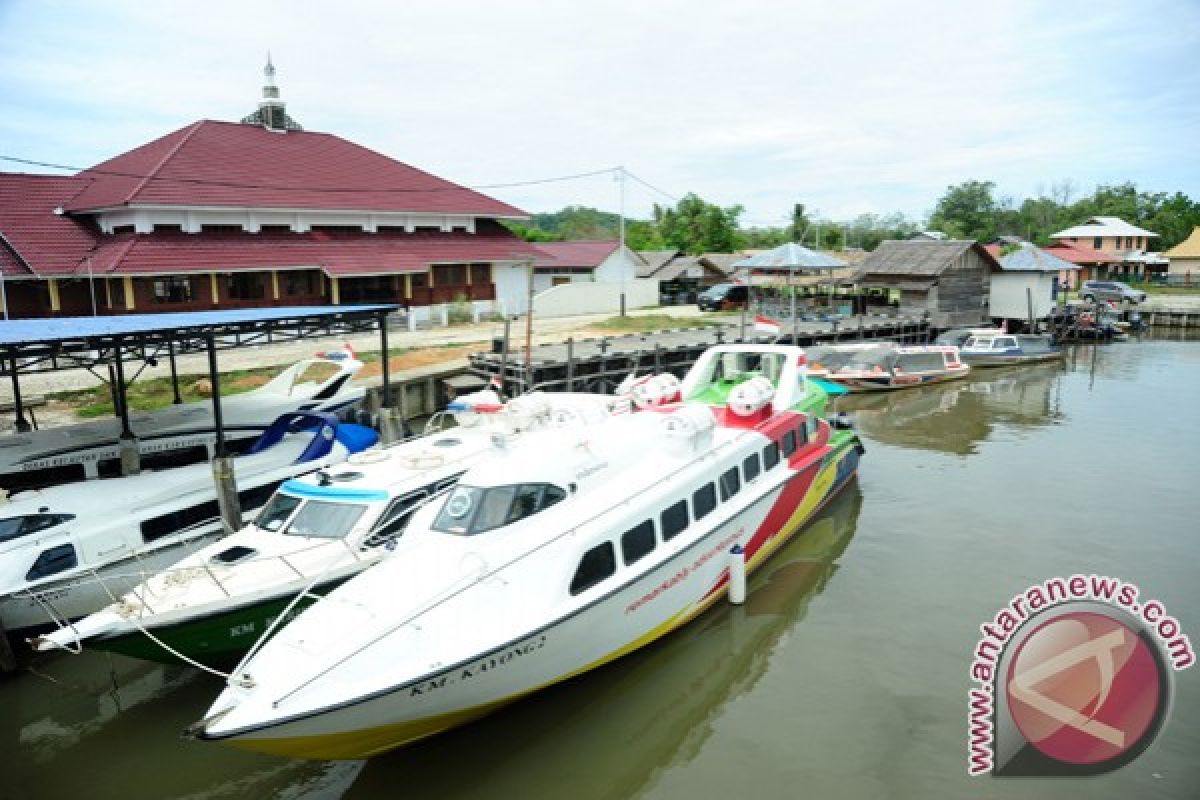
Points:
x=704, y=500
x=481, y=274
x=802, y=432
x=789, y=444
x=450, y=274
x=53, y=561
x=674, y=520
x=770, y=456
x=394, y=520
x=173, y=289
x=751, y=467
x=596, y=566
x=730, y=482
x=1097, y=243
x=638, y=542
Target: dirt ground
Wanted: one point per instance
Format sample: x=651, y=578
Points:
x=418, y=358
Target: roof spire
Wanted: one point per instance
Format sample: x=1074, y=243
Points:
x=272, y=111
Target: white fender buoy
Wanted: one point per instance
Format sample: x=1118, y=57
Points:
x=737, y=575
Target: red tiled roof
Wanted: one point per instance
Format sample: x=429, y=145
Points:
x=227, y=164
x=338, y=253
x=561, y=255
x=1079, y=254
x=51, y=244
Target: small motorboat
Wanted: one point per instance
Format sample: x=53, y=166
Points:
x=179, y=434
x=886, y=367
x=314, y=533
x=558, y=554
x=1007, y=349
x=66, y=551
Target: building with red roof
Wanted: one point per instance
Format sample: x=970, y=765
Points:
x=258, y=212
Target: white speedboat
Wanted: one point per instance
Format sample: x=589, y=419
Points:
x=179, y=434
x=1008, y=349
x=314, y=533
x=66, y=551
x=563, y=551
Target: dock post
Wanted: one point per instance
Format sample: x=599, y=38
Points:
x=570, y=363
x=228, y=503
x=657, y=358
x=8, y=660
x=127, y=444
x=389, y=431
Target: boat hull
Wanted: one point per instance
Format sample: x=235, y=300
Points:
x=1009, y=360
x=81, y=594
x=887, y=383
x=223, y=637
x=631, y=616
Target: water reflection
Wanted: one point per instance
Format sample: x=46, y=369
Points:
x=611, y=733
x=957, y=417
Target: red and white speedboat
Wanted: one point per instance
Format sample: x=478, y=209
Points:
x=562, y=551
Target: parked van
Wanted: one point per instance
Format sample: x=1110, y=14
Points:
x=724, y=297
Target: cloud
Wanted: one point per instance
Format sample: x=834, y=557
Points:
x=866, y=106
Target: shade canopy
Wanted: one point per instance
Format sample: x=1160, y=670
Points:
x=790, y=256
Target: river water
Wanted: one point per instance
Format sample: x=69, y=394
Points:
x=844, y=675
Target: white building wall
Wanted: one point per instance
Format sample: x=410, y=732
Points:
x=512, y=287
x=595, y=298
x=1009, y=300
x=617, y=267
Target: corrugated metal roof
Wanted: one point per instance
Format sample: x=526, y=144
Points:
x=790, y=256
x=1034, y=259
x=1103, y=226
x=18, y=332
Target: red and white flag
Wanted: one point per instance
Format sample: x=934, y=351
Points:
x=766, y=325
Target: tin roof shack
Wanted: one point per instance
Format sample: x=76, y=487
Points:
x=949, y=280
x=1027, y=283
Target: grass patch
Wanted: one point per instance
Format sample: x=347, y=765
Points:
x=653, y=322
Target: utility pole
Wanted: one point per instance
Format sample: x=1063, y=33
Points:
x=529, y=330
x=621, y=233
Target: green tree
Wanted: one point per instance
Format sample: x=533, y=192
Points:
x=695, y=226
x=967, y=211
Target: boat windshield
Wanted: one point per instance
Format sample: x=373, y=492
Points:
x=831, y=358
x=16, y=527
x=921, y=362
x=323, y=520
x=474, y=509
x=277, y=511
x=978, y=343
x=878, y=360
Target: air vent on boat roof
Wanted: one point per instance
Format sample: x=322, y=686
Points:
x=447, y=442
x=325, y=479
x=233, y=554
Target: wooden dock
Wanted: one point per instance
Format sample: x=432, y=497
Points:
x=598, y=364
x=1172, y=317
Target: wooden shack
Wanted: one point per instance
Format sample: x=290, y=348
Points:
x=949, y=280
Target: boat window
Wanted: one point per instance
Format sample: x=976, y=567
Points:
x=597, y=564
x=789, y=444
x=277, y=511
x=1005, y=342
x=802, y=432
x=255, y=497
x=637, y=542
x=177, y=521
x=395, y=518
x=16, y=527
x=770, y=456
x=811, y=428
x=322, y=520
x=704, y=500
x=674, y=520
x=471, y=509
x=751, y=467
x=730, y=483
x=52, y=561
x=920, y=362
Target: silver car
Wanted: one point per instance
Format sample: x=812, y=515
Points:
x=1118, y=292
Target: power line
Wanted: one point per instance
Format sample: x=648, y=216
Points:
x=653, y=188
x=338, y=189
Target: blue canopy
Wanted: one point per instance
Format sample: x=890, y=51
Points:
x=17, y=332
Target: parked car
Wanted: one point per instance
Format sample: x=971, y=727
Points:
x=723, y=297
x=1118, y=292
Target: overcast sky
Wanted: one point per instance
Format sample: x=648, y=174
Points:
x=848, y=107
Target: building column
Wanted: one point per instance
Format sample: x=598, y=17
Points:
x=55, y=302
x=275, y=284
x=469, y=274
x=431, y=277
x=108, y=292
x=407, y=286
x=335, y=295
x=214, y=287
x=128, y=283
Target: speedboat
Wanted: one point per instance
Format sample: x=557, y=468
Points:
x=66, y=551
x=179, y=434
x=1006, y=349
x=560, y=553
x=316, y=532
x=889, y=367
